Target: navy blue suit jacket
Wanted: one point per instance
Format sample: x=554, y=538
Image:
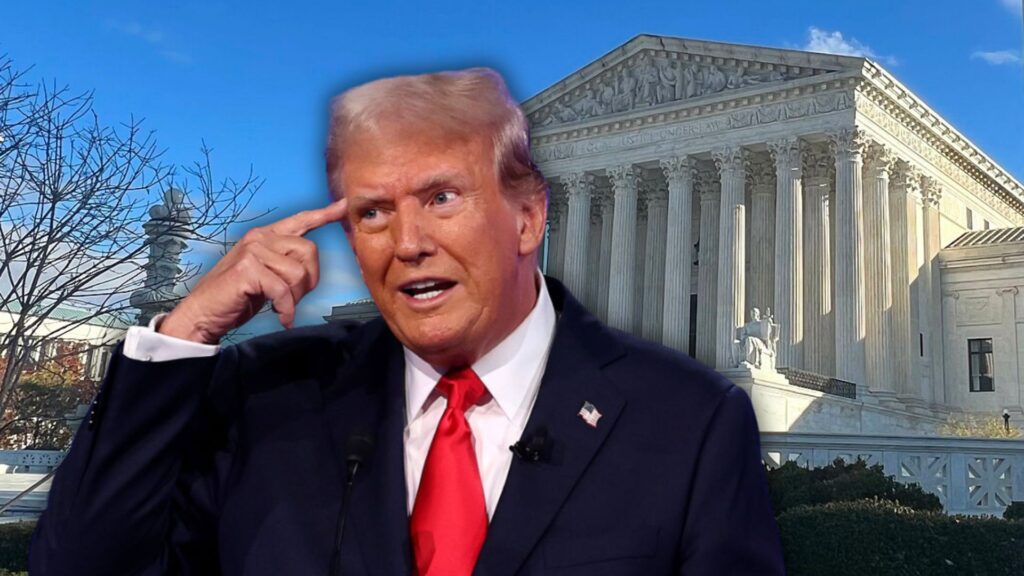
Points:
x=235, y=465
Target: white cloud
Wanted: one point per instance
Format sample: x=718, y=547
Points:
x=833, y=42
x=997, y=57
x=1013, y=5
x=153, y=37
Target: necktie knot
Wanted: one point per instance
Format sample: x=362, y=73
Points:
x=462, y=387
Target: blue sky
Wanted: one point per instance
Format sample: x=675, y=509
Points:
x=253, y=78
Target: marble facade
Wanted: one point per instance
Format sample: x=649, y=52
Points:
x=812, y=187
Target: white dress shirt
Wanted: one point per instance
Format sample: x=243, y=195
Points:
x=511, y=372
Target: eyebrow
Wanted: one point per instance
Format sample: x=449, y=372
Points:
x=428, y=184
x=438, y=180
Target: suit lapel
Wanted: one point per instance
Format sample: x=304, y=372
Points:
x=370, y=399
x=534, y=491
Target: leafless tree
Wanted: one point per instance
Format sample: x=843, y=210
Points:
x=74, y=195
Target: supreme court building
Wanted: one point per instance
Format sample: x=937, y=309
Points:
x=693, y=182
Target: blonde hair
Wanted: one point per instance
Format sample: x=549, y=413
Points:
x=462, y=105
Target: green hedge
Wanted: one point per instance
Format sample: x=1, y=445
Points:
x=791, y=486
x=883, y=538
x=1015, y=511
x=14, y=542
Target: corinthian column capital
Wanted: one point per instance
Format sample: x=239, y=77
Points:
x=625, y=178
x=879, y=158
x=787, y=153
x=730, y=159
x=578, y=183
x=848, y=143
x=678, y=168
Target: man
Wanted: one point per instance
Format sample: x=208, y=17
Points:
x=627, y=458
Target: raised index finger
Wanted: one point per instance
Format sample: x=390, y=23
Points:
x=300, y=223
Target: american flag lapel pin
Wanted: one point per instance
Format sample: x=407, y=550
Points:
x=589, y=414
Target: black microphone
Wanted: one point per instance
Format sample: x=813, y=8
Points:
x=534, y=447
x=358, y=448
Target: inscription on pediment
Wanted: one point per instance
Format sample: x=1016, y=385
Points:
x=655, y=78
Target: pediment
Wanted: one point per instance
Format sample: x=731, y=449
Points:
x=650, y=71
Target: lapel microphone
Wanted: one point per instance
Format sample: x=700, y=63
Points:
x=358, y=448
x=534, y=447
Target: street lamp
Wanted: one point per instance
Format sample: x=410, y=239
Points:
x=1006, y=420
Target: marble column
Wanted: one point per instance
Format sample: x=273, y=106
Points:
x=675, y=329
x=604, y=270
x=903, y=225
x=761, y=247
x=640, y=249
x=878, y=273
x=789, y=251
x=579, y=187
x=931, y=288
x=849, y=256
x=819, y=332
x=594, y=256
x=709, y=189
x=625, y=181
x=556, y=233
x=654, y=262
x=731, y=163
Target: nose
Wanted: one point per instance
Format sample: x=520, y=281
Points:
x=411, y=234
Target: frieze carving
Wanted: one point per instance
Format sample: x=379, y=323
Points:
x=909, y=137
x=764, y=114
x=650, y=80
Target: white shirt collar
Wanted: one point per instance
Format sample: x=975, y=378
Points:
x=506, y=371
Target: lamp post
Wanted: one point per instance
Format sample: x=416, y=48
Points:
x=1006, y=420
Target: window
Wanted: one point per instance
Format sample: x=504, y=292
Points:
x=987, y=224
x=980, y=365
x=970, y=219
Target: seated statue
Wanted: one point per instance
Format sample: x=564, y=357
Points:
x=755, y=343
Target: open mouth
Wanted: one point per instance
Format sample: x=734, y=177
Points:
x=427, y=289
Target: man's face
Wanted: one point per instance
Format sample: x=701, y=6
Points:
x=448, y=258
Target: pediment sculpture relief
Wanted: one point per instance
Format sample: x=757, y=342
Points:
x=653, y=80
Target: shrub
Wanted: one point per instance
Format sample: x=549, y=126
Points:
x=14, y=542
x=792, y=485
x=1015, y=511
x=883, y=538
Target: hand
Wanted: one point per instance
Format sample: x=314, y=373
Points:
x=272, y=262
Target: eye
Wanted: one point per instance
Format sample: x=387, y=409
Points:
x=369, y=213
x=444, y=197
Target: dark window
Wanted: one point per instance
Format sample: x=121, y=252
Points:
x=980, y=365
x=920, y=342
x=987, y=224
x=970, y=219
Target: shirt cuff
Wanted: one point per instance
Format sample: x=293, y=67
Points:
x=145, y=344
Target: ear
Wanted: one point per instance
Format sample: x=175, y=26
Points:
x=532, y=220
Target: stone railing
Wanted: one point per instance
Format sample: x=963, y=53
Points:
x=31, y=461
x=969, y=475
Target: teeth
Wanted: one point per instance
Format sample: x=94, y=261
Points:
x=427, y=295
x=423, y=284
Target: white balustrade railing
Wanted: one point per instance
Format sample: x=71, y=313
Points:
x=969, y=475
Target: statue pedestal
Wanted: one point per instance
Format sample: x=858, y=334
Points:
x=746, y=378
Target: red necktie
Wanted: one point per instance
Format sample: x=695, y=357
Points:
x=449, y=518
